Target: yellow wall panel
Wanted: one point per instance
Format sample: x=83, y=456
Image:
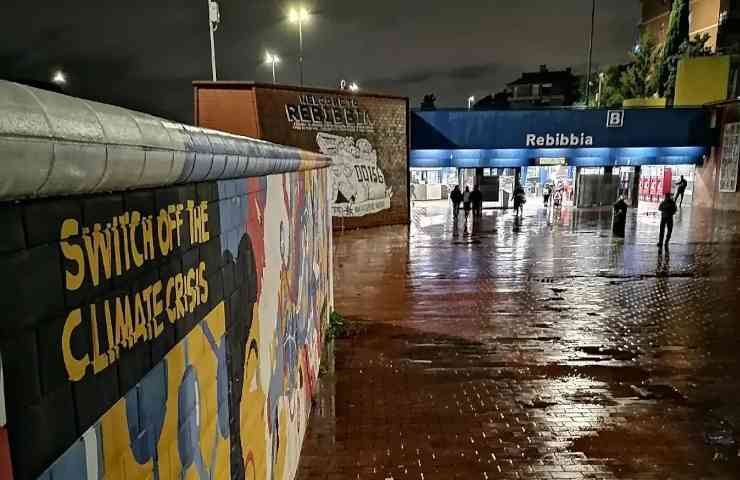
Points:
x=702, y=80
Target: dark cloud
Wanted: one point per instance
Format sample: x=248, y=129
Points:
x=465, y=72
x=145, y=54
x=471, y=72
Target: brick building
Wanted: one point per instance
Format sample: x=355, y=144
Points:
x=544, y=88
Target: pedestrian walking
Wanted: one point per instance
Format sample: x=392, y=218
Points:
x=546, y=192
x=681, y=191
x=456, y=197
x=466, y=202
x=520, y=198
x=476, y=198
x=620, y=217
x=667, y=211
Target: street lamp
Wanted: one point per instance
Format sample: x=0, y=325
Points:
x=59, y=78
x=214, y=18
x=274, y=60
x=299, y=15
x=471, y=99
x=590, y=53
x=353, y=87
x=601, y=84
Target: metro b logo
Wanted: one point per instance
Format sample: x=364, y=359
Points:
x=615, y=119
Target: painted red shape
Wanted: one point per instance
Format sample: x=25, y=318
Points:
x=6, y=472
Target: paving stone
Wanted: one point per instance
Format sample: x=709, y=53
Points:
x=509, y=348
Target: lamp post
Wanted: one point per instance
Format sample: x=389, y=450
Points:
x=214, y=18
x=598, y=95
x=471, y=99
x=274, y=60
x=299, y=16
x=590, y=53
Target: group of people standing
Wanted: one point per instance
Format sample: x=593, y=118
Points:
x=470, y=200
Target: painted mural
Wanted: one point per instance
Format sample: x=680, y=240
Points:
x=5, y=470
x=359, y=186
x=366, y=137
x=231, y=398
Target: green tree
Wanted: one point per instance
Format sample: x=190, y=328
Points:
x=428, y=103
x=678, y=33
x=640, y=78
x=611, y=87
x=696, y=47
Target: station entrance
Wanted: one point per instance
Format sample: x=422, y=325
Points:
x=588, y=157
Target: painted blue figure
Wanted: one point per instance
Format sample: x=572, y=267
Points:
x=146, y=407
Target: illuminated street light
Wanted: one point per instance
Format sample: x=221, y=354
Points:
x=299, y=15
x=274, y=60
x=214, y=18
x=59, y=78
x=471, y=99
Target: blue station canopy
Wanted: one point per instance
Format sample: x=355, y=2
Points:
x=516, y=138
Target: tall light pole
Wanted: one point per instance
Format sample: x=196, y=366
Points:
x=590, y=53
x=214, y=18
x=274, y=60
x=471, y=99
x=598, y=95
x=299, y=16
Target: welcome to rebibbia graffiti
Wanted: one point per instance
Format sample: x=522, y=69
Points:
x=125, y=244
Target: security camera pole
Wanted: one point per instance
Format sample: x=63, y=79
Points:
x=214, y=18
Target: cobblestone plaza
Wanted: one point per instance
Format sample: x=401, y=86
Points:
x=540, y=348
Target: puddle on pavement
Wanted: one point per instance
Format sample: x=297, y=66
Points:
x=608, y=353
x=464, y=372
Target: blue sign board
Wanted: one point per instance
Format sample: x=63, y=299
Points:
x=513, y=138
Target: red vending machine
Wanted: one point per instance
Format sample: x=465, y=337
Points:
x=667, y=182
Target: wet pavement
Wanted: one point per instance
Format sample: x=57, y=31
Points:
x=537, y=349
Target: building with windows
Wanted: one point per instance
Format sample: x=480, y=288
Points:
x=544, y=88
x=718, y=18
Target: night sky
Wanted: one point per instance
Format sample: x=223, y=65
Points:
x=144, y=54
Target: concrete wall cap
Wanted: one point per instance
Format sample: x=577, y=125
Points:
x=55, y=144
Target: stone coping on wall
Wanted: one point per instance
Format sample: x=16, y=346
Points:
x=55, y=144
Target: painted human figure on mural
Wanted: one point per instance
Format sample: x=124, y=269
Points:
x=359, y=185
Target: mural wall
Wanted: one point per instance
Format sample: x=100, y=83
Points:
x=5, y=470
x=366, y=136
x=186, y=336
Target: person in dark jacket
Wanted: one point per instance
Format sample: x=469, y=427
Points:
x=667, y=211
x=457, y=197
x=520, y=199
x=476, y=198
x=466, y=202
x=681, y=191
x=620, y=217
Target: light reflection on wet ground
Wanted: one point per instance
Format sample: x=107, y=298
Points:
x=540, y=348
